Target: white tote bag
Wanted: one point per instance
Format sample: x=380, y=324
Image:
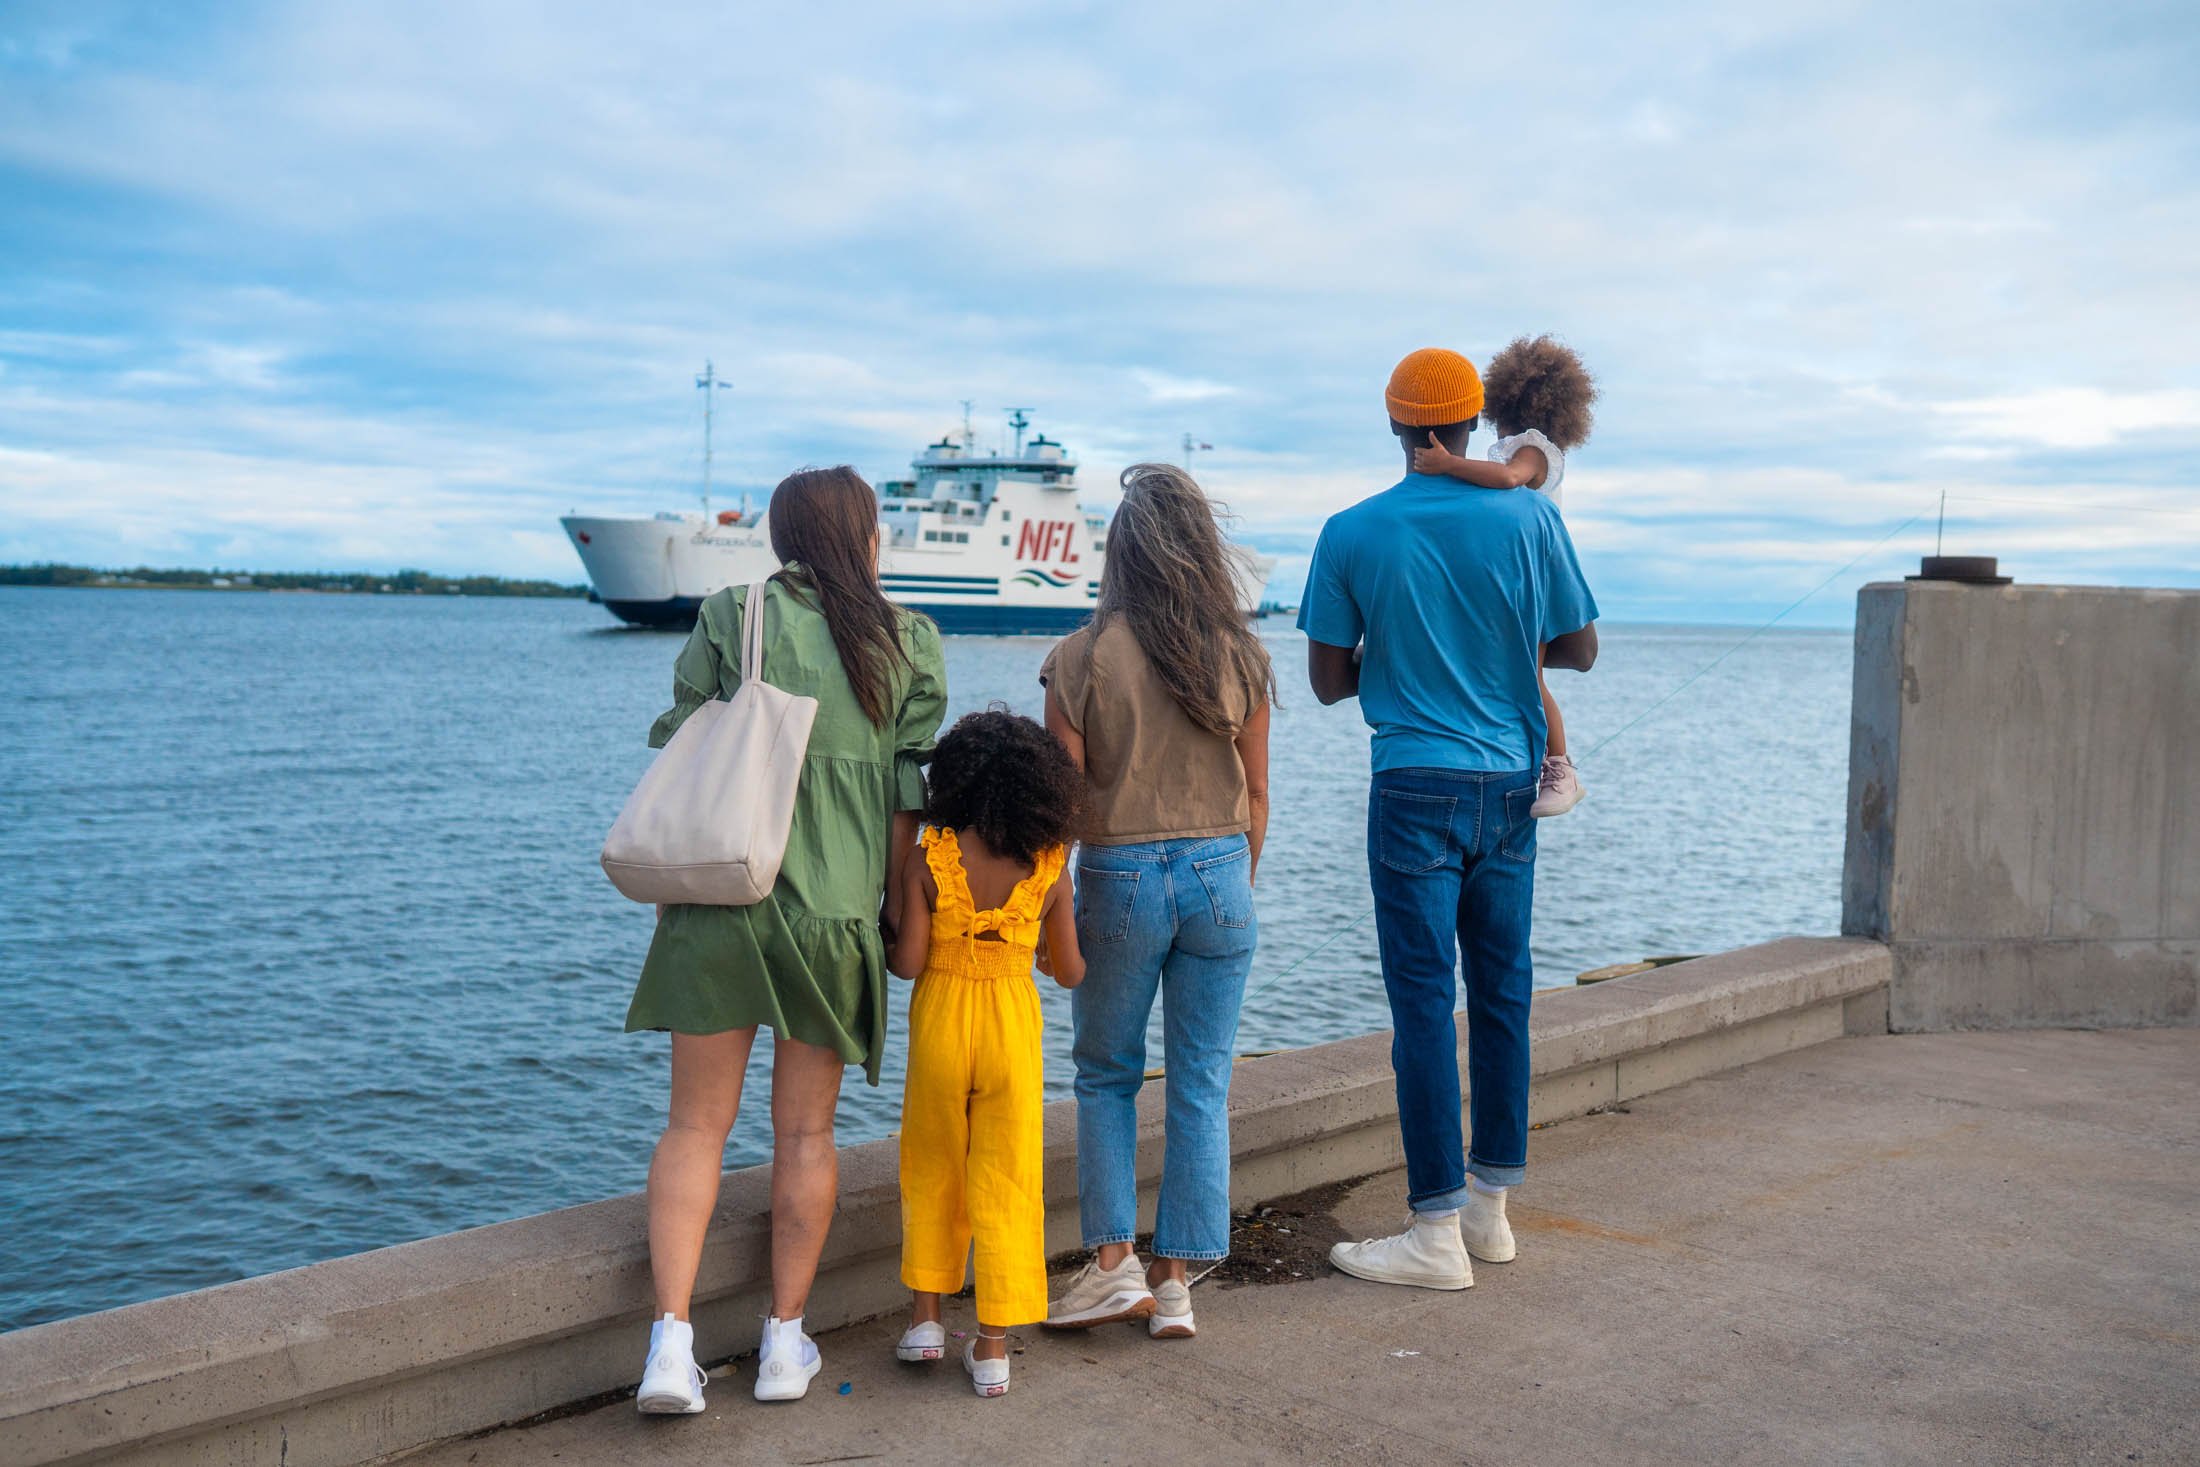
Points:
x=708, y=823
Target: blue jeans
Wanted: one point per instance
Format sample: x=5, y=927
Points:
x=1452, y=858
x=1174, y=916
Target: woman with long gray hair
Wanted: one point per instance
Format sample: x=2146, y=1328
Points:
x=1163, y=699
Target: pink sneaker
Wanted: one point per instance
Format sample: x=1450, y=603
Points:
x=1560, y=789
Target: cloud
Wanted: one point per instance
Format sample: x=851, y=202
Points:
x=1163, y=387
x=2074, y=417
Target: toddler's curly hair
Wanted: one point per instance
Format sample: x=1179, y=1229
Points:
x=1008, y=779
x=1538, y=382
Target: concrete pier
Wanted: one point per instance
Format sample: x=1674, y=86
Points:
x=1933, y=1249
x=361, y=1357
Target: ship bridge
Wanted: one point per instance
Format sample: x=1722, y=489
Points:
x=956, y=487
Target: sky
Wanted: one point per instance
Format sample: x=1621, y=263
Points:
x=361, y=286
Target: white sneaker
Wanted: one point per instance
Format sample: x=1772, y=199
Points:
x=922, y=1342
x=1103, y=1295
x=1482, y=1225
x=672, y=1383
x=1559, y=789
x=987, y=1377
x=1427, y=1255
x=1172, y=1315
x=785, y=1361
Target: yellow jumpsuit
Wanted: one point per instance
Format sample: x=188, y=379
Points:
x=971, y=1162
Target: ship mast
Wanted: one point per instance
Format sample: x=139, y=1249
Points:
x=711, y=384
x=1018, y=420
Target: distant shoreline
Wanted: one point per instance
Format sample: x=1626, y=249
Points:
x=326, y=583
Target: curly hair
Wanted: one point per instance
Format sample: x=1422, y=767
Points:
x=1538, y=382
x=1008, y=779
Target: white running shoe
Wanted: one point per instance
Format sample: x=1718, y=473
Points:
x=922, y=1342
x=987, y=1377
x=1559, y=789
x=1103, y=1295
x=1427, y=1255
x=785, y=1361
x=1482, y=1225
x=672, y=1383
x=1172, y=1314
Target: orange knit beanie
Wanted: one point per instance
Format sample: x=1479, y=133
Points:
x=1433, y=387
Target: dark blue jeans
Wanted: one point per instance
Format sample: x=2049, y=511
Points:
x=1452, y=858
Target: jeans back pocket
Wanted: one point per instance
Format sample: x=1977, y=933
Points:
x=1228, y=882
x=1519, y=841
x=1104, y=903
x=1413, y=832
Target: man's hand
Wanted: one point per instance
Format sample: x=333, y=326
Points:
x=1434, y=458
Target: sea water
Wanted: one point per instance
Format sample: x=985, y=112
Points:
x=304, y=948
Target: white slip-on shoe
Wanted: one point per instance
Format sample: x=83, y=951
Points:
x=672, y=1383
x=1172, y=1313
x=1558, y=789
x=786, y=1361
x=922, y=1342
x=1103, y=1295
x=1427, y=1255
x=1482, y=1226
x=987, y=1377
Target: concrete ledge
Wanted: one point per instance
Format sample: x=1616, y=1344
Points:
x=356, y=1358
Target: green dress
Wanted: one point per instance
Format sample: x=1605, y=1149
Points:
x=808, y=961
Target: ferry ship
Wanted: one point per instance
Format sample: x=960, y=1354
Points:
x=982, y=542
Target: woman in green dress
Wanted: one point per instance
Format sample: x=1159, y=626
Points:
x=807, y=962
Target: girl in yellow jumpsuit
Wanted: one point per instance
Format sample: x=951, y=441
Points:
x=1004, y=803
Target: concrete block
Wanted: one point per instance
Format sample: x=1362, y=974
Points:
x=2019, y=776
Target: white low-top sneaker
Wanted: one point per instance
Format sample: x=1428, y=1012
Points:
x=1482, y=1226
x=1427, y=1255
x=786, y=1361
x=1103, y=1295
x=1172, y=1314
x=1558, y=790
x=987, y=1377
x=922, y=1342
x=672, y=1383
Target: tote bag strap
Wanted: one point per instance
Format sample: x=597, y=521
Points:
x=752, y=633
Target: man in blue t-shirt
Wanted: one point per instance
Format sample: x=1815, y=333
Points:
x=1434, y=602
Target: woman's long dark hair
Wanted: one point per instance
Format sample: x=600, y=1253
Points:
x=1170, y=576
x=826, y=520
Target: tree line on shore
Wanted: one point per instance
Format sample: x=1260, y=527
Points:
x=404, y=582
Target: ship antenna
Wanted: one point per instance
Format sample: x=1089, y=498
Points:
x=712, y=385
x=1191, y=445
x=970, y=434
x=1018, y=421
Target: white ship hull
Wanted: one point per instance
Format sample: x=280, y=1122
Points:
x=656, y=572
x=1026, y=560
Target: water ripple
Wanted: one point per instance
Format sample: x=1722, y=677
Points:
x=306, y=949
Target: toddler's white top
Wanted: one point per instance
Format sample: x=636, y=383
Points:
x=1504, y=448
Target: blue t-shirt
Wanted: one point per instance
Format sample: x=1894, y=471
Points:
x=1453, y=588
